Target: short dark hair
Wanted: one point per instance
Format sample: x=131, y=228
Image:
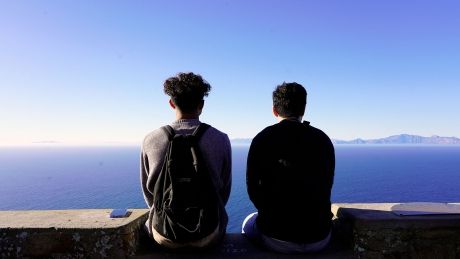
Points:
x=290, y=99
x=187, y=90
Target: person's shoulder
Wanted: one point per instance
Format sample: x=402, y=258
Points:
x=319, y=133
x=266, y=133
x=317, y=130
x=153, y=137
x=213, y=132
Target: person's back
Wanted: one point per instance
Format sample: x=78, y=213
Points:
x=294, y=203
x=215, y=151
x=290, y=173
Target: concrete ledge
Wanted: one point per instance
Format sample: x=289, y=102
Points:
x=69, y=234
x=360, y=230
x=236, y=245
x=374, y=231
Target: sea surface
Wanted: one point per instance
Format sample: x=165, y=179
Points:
x=59, y=177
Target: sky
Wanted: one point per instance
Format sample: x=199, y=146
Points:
x=85, y=72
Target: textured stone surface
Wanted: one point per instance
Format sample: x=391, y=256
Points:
x=87, y=219
x=69, y=234
x=237, y=246
x=360, y=230
x=376, y=232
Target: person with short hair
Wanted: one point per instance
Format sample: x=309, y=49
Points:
x=290, y=173
x=187, y=92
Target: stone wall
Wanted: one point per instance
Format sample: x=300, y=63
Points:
x=69, y=234
x=360, y=231
x=374, y=231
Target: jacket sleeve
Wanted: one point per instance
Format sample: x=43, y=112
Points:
x=331, y=163
x=253, y=173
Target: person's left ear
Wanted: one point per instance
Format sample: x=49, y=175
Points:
x=171, y=103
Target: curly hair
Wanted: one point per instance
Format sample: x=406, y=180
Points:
x=290, y=99
x=187, y=90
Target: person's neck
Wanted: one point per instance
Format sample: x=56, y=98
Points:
x=298, y=119
x=187, y=116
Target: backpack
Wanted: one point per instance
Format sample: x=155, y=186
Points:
x=185, y=200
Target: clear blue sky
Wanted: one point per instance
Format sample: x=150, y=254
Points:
x=92, y=71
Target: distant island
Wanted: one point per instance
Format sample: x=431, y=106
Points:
x=395, y=139
x=402, y=139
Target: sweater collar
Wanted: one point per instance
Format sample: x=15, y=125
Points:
x=187, y=122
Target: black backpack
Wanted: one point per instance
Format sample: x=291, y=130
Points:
x=185, y=201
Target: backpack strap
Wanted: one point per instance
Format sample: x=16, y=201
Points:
x=306, y=124
x=200, y=130
x=169, y=131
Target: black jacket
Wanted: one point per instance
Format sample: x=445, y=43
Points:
x=290, y=172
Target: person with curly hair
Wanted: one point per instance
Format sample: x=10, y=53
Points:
x=187, y=92
x=289, y=177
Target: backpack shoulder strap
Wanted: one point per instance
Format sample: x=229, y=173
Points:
x=200, y=130
x=306, y=124
x=169, y=131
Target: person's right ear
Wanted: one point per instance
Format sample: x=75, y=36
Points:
x=201, y=105
x=275, y=112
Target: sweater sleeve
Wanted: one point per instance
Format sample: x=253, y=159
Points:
x=144, y=170
x=153, y=150
x=226, y=171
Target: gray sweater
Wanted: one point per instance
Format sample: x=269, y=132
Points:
x=216, y=150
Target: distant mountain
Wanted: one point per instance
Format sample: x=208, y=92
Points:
x=402, y=139
x=395, y=139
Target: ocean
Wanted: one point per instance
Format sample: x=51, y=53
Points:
x=58, y=177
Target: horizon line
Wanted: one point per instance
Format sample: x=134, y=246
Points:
x=138, y=143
